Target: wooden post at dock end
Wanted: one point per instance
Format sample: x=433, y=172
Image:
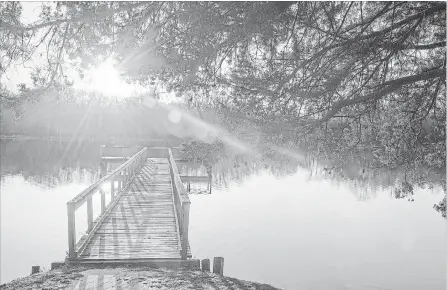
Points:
x=218, y=265
x=185, y=229
x=71, y=231
x=35, y=270
x=206, y=265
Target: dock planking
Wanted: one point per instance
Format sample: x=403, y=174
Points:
x=146, y=220
x=142, y=224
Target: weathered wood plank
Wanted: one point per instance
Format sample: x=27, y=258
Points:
x=142, y=224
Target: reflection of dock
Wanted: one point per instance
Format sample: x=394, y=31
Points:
x=192, y=176
x=147, y=217
x=197, y=179
x=188, y=178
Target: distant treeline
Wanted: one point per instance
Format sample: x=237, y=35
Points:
x=49, y=163
x=169, y=141
x=93, y=120
x=36, y=158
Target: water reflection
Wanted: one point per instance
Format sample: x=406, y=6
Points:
x=33, y=224
x=363, y=184
x=50, y=163
x=235, y=170
x=310, y=229
x=274, y=222
x=37, y=180
x=301, y=233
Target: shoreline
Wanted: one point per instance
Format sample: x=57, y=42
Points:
x=132, y=277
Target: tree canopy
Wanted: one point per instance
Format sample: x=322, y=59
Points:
x=361, y=81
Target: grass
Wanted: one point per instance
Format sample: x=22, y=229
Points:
x=134, y=277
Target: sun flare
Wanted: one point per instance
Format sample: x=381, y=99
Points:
x=106, y=79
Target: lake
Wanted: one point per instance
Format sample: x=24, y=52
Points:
x=292, y=230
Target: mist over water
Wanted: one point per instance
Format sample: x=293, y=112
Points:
x=279, y=225
x=297, y=233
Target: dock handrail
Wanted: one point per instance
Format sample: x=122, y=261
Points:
x=119, y=151
x=123, y=174
x=181, y=203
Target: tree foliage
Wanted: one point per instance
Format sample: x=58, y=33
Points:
x=351, y=81
x=206, y=153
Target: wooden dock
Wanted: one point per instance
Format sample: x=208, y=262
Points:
x=146, y=219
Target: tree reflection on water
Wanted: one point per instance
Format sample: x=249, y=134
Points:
x=49, y=163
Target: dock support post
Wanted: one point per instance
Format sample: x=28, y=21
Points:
x=218, y=265
x=206, y=265
x=35, y=270
x=71, y=232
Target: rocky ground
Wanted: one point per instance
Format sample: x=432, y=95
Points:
x=81, y=278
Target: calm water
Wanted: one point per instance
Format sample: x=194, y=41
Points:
x=293, y=232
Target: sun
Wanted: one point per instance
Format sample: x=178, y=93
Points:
x=106, y=80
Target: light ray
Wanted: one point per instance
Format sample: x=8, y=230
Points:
x=202, y=128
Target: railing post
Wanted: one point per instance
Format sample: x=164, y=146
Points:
x=185, y=227
x=103, y=200
x=71, y=231
x=112, y=189
x=123, y=178
x=89, y=213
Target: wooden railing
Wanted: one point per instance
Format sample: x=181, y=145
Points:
x=181, y=204
x=119, y=151
x=123, y=175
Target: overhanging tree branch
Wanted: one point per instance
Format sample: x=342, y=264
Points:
x=426, y=46
x=59, y=56
x=84, y=18
x=430, y=11
x=386, y=88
